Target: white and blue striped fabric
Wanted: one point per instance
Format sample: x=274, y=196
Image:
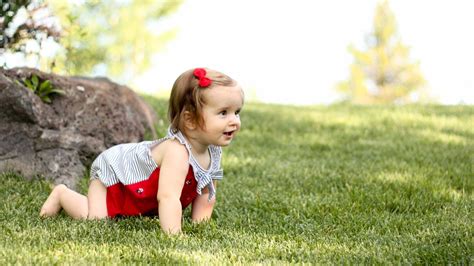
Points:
x=131, y=163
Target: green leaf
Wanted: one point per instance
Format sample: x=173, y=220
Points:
x=45, y=91
x=35, y=81
x=58, y=91
x=45, y=85
x=46, y=99
x=28, y=84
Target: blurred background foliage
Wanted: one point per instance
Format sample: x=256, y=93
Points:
x=119, y=38
x=383, y=72
x=114, y=38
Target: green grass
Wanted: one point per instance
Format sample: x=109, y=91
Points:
x=337, y=184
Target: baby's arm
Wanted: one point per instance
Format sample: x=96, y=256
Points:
x=173, y=171
x=202, y=207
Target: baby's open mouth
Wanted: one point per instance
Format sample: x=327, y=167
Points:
x=229, y=133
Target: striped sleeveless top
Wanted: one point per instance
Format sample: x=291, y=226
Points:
x=131, y=163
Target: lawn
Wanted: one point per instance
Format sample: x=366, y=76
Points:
x=323, y=184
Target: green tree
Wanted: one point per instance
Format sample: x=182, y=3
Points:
x=383, y=72
x=22, y=21
x=119, y=37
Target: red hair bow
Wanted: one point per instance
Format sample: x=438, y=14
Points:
x=200, y=74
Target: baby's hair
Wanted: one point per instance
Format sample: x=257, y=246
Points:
x=186, y=95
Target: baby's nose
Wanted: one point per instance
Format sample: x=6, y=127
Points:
x=235, y=120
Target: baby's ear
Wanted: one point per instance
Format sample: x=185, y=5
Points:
x=189, y=121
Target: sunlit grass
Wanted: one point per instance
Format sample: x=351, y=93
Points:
x=335, y=184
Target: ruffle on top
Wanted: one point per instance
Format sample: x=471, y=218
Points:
x=203, y=177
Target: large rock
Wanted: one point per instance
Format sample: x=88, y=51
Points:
x=60, y=140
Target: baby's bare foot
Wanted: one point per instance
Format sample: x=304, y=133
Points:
x=51, y=206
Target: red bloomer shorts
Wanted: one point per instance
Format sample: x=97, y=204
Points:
x=141, y=198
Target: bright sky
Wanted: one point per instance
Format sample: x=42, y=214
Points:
x=295, y=51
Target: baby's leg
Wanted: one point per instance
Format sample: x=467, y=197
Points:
x=97, y=200
x=73, y=203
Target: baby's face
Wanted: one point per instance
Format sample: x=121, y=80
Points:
x=221, y=114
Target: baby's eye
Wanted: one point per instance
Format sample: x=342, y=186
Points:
x=237, y=112
x=223, y=112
